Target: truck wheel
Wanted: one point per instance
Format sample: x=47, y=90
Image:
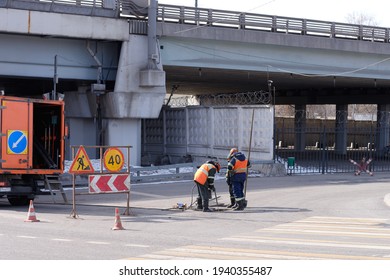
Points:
x=22, y=200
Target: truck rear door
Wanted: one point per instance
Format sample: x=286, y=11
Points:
x=16, y=132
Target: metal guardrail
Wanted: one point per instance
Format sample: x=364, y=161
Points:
x=249, y=21
x=156, y=174
x=202, y=17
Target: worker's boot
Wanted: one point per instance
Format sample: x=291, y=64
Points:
x=206, y=207
x=240, y=205
x=199, y=204
x=232, y=202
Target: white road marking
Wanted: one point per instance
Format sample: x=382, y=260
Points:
x=98, y=242
x=62, y=240
x=370, y=234
x=306, y=243
x=137, y=245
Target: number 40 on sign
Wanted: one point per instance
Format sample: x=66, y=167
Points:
x=113, y=159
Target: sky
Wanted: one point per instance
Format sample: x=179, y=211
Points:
x=329, y=10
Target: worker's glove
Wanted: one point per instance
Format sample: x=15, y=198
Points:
x=212, y=188
x=228, y=180
x=230, y=173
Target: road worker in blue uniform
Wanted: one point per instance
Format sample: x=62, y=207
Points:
x=229, y=181
x=204, y=179
x=236, y=173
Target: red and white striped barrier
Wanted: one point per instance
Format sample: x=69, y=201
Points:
x=109, y=183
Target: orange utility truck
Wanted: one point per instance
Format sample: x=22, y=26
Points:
x=31, y=146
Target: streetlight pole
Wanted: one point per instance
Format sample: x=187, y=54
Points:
x=196, y=12
x=272, y=93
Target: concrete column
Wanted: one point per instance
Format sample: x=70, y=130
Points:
x=341, y=128
x=125, y=132
x=383, y=127
x=300, y=127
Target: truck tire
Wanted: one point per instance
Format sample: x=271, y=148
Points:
x=22, y=200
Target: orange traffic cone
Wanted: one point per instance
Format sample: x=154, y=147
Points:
x=31, y=214
x=118, y=223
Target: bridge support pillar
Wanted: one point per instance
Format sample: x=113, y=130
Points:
x=123, y=132
x=341, y=128
x=300, y=127
x=383, y=127
x=138, y=94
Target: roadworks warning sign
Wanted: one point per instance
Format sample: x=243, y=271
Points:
x=81, y=163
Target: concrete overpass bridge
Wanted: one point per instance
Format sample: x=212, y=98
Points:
x=71, y=45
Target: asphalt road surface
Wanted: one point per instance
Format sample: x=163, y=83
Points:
x=339, y=216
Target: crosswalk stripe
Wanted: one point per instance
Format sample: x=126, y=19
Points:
x=348, y=219
x=217, y=253
x=323, y=243
x=327, y=228
x=223, y=253
x=345, y=233
x=231, y=253
x=165, y=257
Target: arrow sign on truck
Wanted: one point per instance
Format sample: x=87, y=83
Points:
x=109, y=183
x=17, y=142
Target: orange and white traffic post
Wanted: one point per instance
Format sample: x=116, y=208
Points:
x=31, y=217
x=118, y=223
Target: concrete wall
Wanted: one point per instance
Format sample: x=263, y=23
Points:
x=15, y=21
x=200, y=132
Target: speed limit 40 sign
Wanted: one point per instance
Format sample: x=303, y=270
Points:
x=113, y=159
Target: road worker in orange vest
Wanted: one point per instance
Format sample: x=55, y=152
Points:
x=204, y=179
x=236, y=174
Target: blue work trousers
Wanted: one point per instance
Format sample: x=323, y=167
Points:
x=238, y=181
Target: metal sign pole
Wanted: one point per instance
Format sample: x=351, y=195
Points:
x=73, y=214
x=127, y=212
x=249, y=152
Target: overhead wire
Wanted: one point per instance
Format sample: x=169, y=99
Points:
x=331, y=74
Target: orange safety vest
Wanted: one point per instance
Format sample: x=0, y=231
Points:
x=202, y=173
x=240, y=166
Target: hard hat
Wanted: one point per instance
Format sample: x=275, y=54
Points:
x=232, y=152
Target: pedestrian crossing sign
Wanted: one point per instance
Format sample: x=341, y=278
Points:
x=81, y=163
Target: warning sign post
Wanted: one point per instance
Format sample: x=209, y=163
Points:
x=100, y=181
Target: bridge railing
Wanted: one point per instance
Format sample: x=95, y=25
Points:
x=249, y=21
x=208, y=17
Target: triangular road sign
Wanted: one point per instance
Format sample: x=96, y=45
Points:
x=81, y=163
